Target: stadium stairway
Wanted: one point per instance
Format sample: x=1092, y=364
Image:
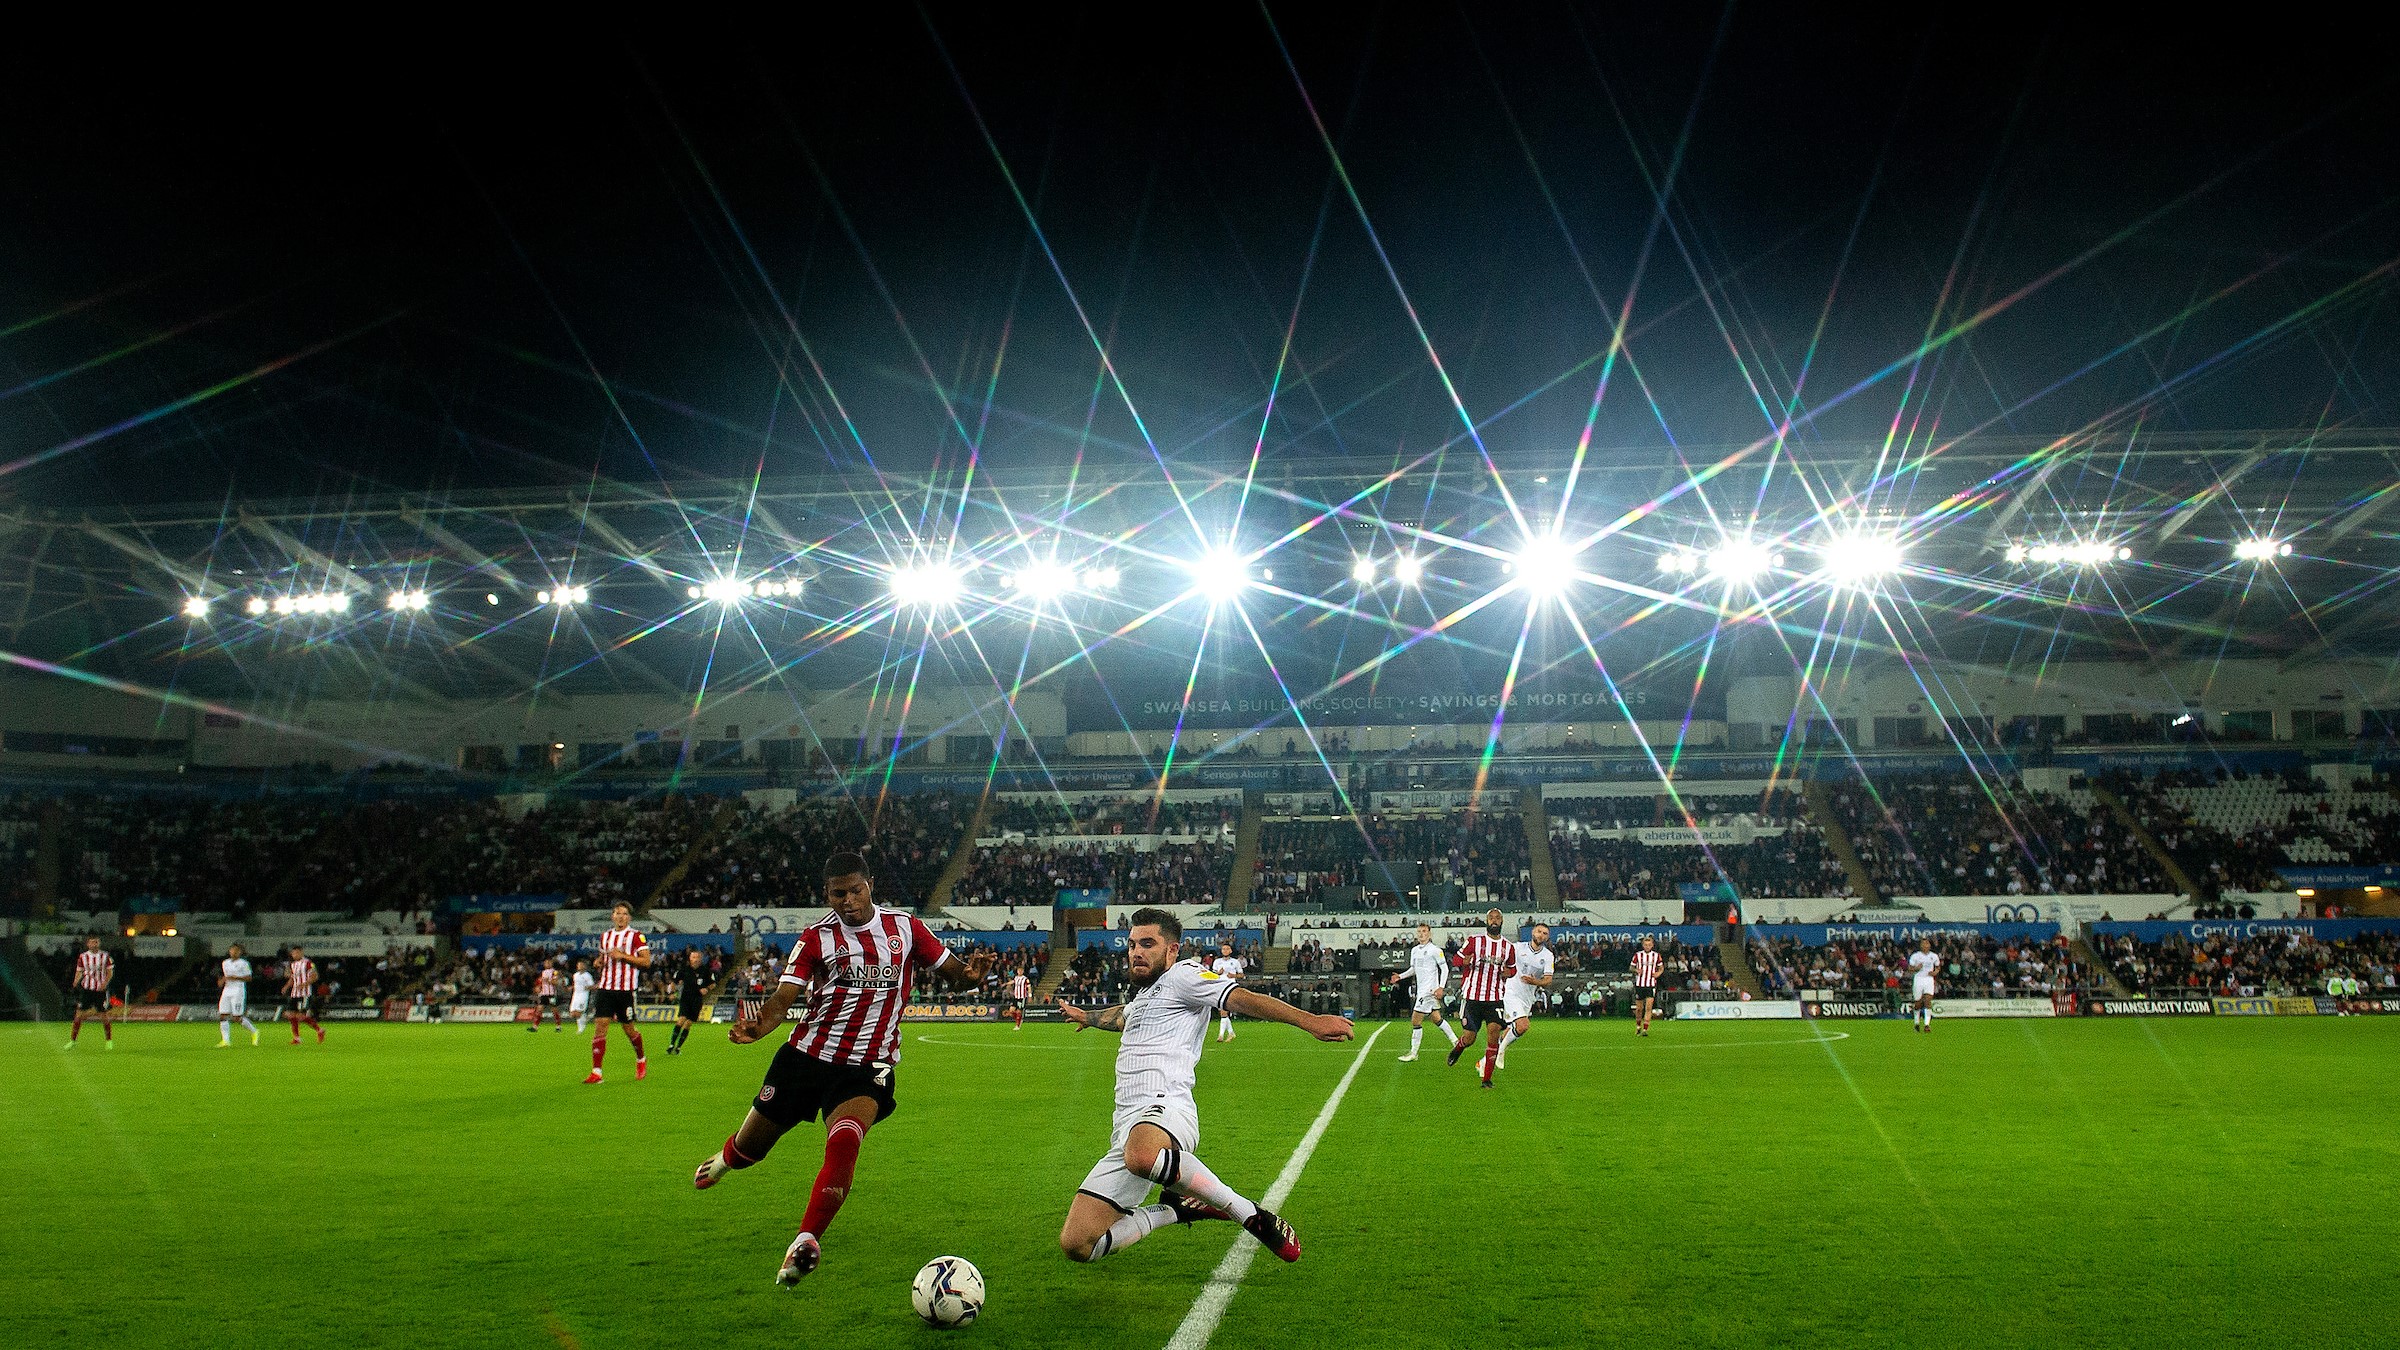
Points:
x=1245, y=851
x=1276, y=961
x=1829, y=824
x=961, y=858
x=683, y=865
x=1537, y=846
x=2091, y=960
x=26, y=987
x=1737, y=963
x=1063, y=925
x=2158, y=851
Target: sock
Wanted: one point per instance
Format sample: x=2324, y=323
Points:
x=108, y=1030
x=75, y=1032
x=1184, y=1174
x=1508, y=1038
x=1416, y=1039
x=1132, y=1228
x=1491, y=1049
x=833, y=1179
x=638, y=1053
x=733, y=1157
x=224, y=1031
x=250, y=1026
x=599, y=1050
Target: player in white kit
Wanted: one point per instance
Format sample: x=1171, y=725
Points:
x=580, y=1002
x=233, y=996
x=1925, y=962
x=1229, y=966
x=1156, y=1124
x=1429, y=970
x=1537, y=966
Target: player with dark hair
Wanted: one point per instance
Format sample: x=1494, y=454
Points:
x=545, y=997
x=233, y=996
x=1925, y=965
x=300, y=994
x=855, y=967
x=1647, y=963
x=1485, y=961
x=624, y=955
x=94, y=969
x=1157, y=1125
x=691, y=987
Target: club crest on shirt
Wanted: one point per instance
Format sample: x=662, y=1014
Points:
x=767, y=1093
x=894, y=943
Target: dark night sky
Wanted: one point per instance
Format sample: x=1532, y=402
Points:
x=431, y=243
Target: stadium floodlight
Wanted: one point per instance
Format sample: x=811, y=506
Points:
x=1408, y=569
x=1544, y=566
x=1220, y=575
x=255, y=607
x=1680, y=562
x=2260, y=550
x=1859, y=559
x=2074, y=553
x=1101, y=579
x=564, y=597
x=1739, y=561
x=723, y=591
x=195, y=607
x=1044, y=580
x=927, y=584
x=1362, y=571
x=408, y=602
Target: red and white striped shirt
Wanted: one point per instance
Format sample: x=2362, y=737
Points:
x=1646, y=966
x=299, y=976
x=622, y=976
x=857, y=981
x=1485, y=963
x=93, y=969
x=545, y=985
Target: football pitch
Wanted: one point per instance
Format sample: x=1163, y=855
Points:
x=2166, y=1182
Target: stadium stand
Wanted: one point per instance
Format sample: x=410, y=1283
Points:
x=1971, y=965
x=1484, y=852
x=1599, y=855
x=1923, y=835
x=2263, y=964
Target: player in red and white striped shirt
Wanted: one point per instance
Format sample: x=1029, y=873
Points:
x=624, y=955
x=545, y=997
x=94, y=969
x=300, y=994
x=1485, y=961
x=1647, y=963
x=1020, y=990
x=855, y=967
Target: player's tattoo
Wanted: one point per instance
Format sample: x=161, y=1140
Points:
x=1111, y=1018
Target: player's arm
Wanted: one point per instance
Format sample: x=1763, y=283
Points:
x=639, y=956
x=1111, y=1018
x=770, y=1014
x=1267, y=1007
x=967, y=974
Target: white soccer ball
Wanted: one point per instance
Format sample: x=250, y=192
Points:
x=948, y=1293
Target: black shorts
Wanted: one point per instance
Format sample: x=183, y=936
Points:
x=548, y=1000
x=616, y=1003
x=689, y=1009
x=91, y=1000
x=304, y=1006
x=1474, y=1012
x=1645, y=991
x=801, y=1087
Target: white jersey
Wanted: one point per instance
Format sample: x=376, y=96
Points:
x=1531, y=962
x=1926, y=965
x=1429, y=968
x=234, y=997
x=1228, y=966
x=582, y=997
x=1165, y=1025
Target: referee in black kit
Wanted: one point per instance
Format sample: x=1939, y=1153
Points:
x=691, y=988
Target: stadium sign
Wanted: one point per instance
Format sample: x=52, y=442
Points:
x=1845, y=1008
x=2246, y=1007
x=480, y=1012
x=504, y=904
x=1738, y=1010
x=584, y=944
x=1819, y=934
x=948, y=1012
x=352, y=1014
x=1994, y=1007
x=2342, y=878
x=2200, y=930
x=1005, y=940
x=2150, y=1007
x=1194, y=939
x=148, y=1012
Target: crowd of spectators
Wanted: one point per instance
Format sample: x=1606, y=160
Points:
x=1960, y=835
x=1972, y=967
x=1030, y=874
x=1144, y=814
x=1610, y=866
x=1298, y=859
x=770, y=858
x=2217, y=859
x=2263, y=964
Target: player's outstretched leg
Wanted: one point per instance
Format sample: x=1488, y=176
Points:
x=252, y=1026
x=1460, y=1046
x=843, y=1135
x=1179, y=1171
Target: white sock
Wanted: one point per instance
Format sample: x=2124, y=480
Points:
x=251, y=1026
x=1133, y=1228
x=1416, y=1039
x=1184, y=1174
x=1224, y=1026
x=225, y=1031
x=1505, y=1038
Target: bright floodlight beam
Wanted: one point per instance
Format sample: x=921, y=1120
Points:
x=1860, y=559
x=1738, y=561
x=1362, y=571
x=1044, y=581
x=195, y=607
x=1220, y=575
x=1544, y=566
x=2260, y=550
x=926, y=585
x=1408, y=569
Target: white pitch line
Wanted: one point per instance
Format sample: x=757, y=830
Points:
x=1207, y=1310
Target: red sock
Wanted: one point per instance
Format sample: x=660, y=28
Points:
x=599, y=1049
x=734, y=1157
x=833, y=1180
x=1490, y=1049
x=108, y=1030
x=635, y=1037
x=75, y=1032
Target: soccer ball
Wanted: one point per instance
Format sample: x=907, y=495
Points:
x=948, y=1293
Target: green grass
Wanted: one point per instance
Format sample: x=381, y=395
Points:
x=2181, y=1183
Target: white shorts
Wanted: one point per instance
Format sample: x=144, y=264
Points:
x=233, y=1000
x=580, y=1003
x=1108, y=1178
x=1924, y=987
x=1430, y=1003
x=1516, y=1005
